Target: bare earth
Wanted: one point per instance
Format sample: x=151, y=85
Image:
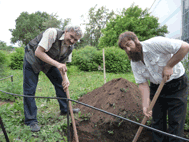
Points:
x=119, y=97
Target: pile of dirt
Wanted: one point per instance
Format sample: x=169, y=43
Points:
x=120, y=97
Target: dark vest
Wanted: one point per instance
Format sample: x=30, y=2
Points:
x=54, y=52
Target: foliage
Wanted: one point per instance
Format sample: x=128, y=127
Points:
x=116, y=60
x=17, y=58
x=3, y=65
x=97, y=19
x=85, y=58
x=132, y=19
x=3, y=46
x=52, y=21
x=28, y=26
x=91, y=59
x=65, y=22
x=13, y=87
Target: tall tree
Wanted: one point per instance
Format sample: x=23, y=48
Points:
x=52, y=21
x=132, y=19
x=65, y=22
x=30, y=25
x=97, y=19
x=2, y=44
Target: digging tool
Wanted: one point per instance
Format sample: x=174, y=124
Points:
x=149, y=109
x=72, y=116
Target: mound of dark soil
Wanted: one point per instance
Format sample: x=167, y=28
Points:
x=119, y=97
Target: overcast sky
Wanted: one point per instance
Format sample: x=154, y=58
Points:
x=11, y=9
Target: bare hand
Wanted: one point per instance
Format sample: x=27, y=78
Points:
x=147, y=113
x=167, y=72
x=62, y=68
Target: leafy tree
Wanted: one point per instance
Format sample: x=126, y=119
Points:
x=52, y=21
x=65, y=23
x=2, y=44
x=96, y=21
x=132, y=19
x=28, y=26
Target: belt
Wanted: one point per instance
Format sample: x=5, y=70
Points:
x=180, y=77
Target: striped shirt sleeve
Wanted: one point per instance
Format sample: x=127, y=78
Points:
x=49, y=37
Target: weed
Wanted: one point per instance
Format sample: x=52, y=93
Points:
x=111, y=132
x=85, y=117
x=124, y=90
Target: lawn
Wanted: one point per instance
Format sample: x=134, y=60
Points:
x=53, y=128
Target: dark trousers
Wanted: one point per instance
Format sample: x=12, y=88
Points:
x=172, y=101
x=29, y=87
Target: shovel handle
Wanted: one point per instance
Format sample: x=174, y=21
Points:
x=71, y=112
x=150, y=108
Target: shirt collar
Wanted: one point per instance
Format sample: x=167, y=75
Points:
x=144, y=49
x=62, y=37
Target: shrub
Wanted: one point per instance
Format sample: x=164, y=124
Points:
x=3, y=65
x=116, y=60
x=16, y=61
x=84, y=58
x=89, y=58
x=6, y=48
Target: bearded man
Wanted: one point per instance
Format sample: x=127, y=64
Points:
x=153, y=60
x=48, y=52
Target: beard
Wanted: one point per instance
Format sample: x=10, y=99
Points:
x=136, y=55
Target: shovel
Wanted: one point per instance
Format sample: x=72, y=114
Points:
x=72, y=116
x=149, y=109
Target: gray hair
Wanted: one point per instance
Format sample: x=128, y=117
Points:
x=76, y=29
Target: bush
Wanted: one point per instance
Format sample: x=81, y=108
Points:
x=116, y=60
x=16, y=61
x=6, y=48
x=3, y=65
x=89, y=59
x=84, y=58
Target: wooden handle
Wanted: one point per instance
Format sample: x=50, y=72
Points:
x=71, y=112
x=72, y=116
x=149, y=109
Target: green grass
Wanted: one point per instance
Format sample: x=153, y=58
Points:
x=53, y=128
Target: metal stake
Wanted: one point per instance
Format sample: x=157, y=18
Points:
x=4, y=131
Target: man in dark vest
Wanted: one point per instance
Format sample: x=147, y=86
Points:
x=48, y=52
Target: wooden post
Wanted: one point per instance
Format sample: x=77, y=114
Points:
x=104, y=67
